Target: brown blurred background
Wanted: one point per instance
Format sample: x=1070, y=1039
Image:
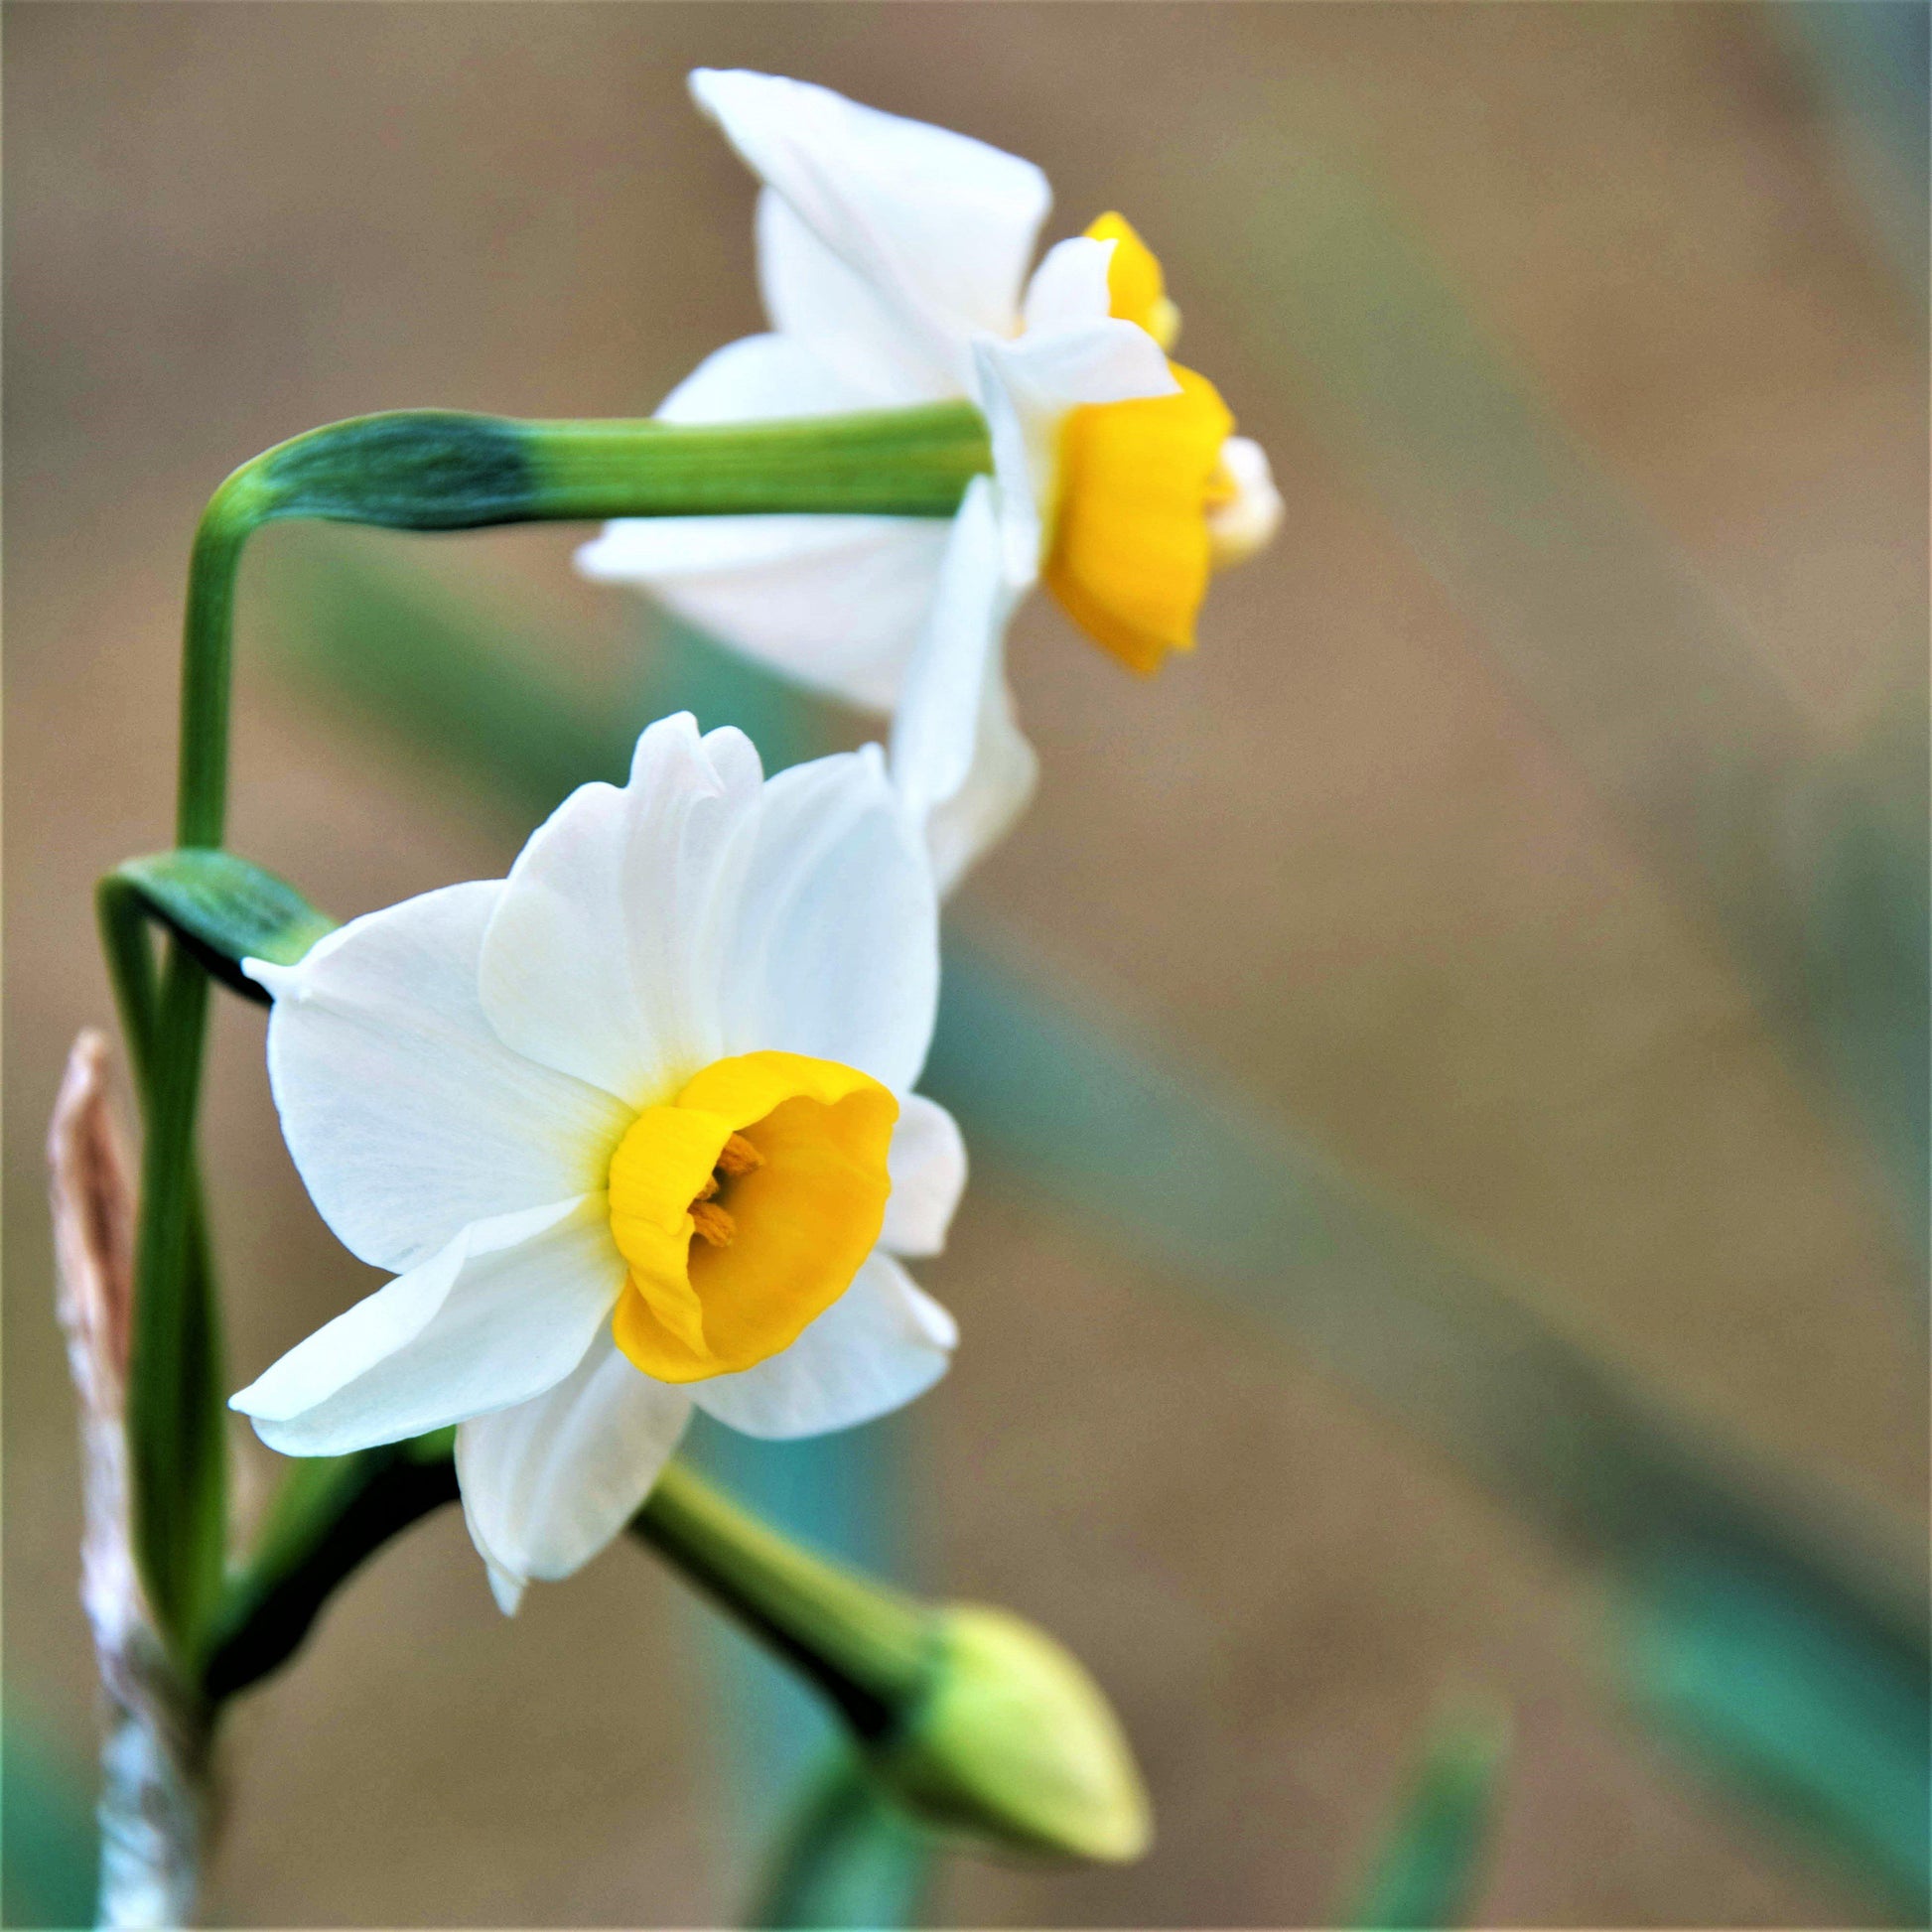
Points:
x=1337, y=860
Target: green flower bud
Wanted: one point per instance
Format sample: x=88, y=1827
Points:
x=1013, y=1742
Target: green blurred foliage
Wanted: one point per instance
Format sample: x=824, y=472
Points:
x=1813, y=868
x=848, y=1859
x=46, y=1832
x=1424, y=1868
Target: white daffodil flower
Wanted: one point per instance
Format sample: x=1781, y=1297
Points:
x=892, y=261
x=634, y=1129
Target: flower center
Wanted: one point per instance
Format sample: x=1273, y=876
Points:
x=744, y=1208
x=1142, y=488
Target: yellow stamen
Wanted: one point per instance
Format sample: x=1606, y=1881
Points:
x=740, y=1157
x=744, y=1208
x=1131, y=550
x=713, y=1223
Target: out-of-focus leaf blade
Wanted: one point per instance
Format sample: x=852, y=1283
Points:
x=848, y=1859
x=443, y=678
x=1423, y=1872
x=1175, y=1176
x=46, y=1830
x=1225, y=1197
x=1868, y=64
x=1652, y=688
x=1761, y=1675
x=473, y=692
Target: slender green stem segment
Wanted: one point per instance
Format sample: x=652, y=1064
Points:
x=330, y=1514
x=974, y=1721
x=872, y=1651
x=441, y=469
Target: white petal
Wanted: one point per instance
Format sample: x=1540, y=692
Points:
x=842, y=320
x=881, y=1344
x=761, y=376
x=503, y=1312
x=600, y=957
x=833, y=602
x=957, y=756
x=835, y=947
x=995, y=793
x=939, y=226
x=928, y=1164
x=408, y=1116
x=548, y=1483
x=936, y=724
x=1247, y=524
x=1024, y=389
x=1070, y=285
x=1102, y=361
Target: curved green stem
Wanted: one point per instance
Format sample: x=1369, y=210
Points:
x=330, y=1516
x=442, y=469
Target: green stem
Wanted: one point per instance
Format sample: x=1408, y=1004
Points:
x=330, y=1516
x=173, y=1404
x=872, y=1651
x=441, y=469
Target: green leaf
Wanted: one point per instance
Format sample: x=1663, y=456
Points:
x=227, y=909
x=1424, y=1871
x=849, y=1859
x=1772, y=1679
x=176, y=1419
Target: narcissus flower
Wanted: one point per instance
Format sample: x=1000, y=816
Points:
x=893, y=261
x=634, y=1127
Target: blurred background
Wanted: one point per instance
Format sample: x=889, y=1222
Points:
x=1445, y=1065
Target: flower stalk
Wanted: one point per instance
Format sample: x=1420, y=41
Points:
x=177, y=1472
x=978, y=1723
x=444, y=470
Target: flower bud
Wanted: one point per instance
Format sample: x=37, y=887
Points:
x=1013, y=1742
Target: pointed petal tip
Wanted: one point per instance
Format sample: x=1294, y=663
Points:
x=279, y=982
x=504, y=1587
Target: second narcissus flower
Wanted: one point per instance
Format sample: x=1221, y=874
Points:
x=634, y=1129
x=892, y=258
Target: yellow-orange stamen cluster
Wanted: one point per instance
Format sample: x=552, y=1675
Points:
x=744, y=1208
x=709, y=1218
